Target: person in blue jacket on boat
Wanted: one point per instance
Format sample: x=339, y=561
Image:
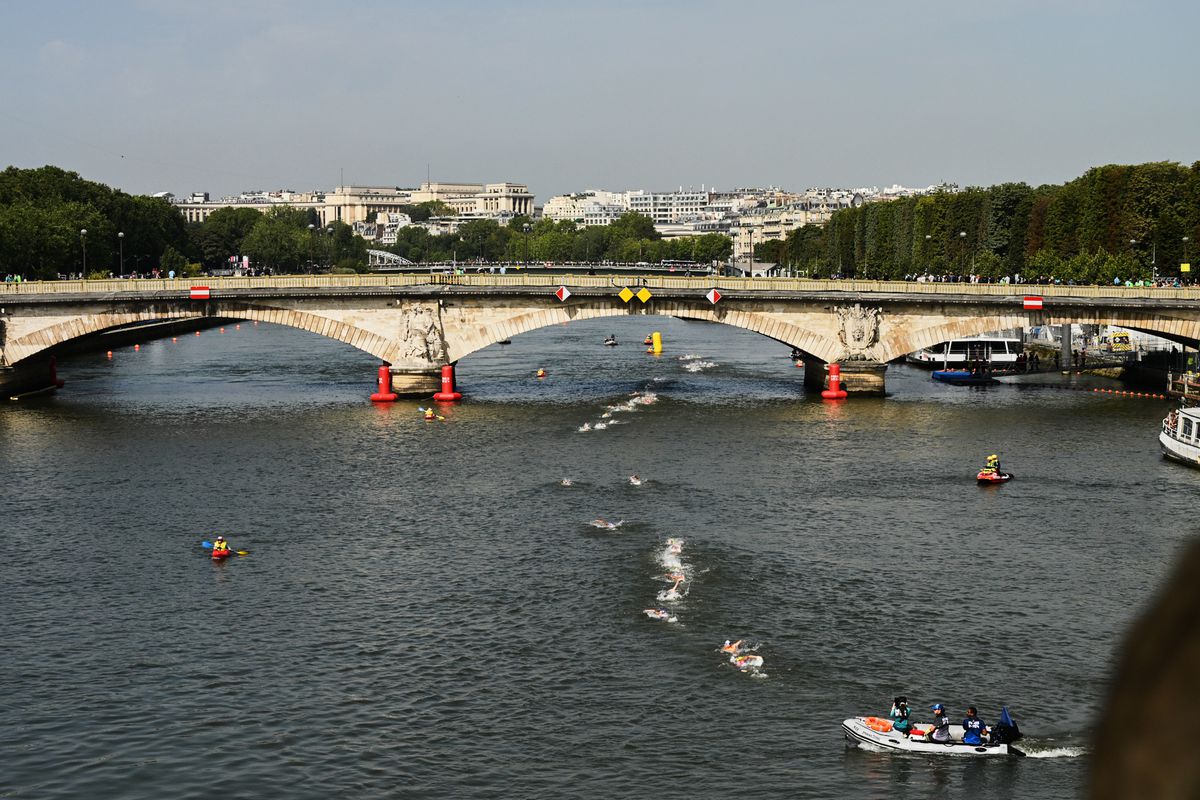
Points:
x=974, y=729
x=899, y=716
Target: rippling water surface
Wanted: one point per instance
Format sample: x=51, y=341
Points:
x=428, y=612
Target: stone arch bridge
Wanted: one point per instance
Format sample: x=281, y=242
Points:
x=416, y=323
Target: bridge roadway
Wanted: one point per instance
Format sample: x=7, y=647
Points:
x=417, y=322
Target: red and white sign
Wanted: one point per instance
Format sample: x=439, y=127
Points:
x=199, y=293
x=563, y=293
x=1033, y=303
x=713, y=296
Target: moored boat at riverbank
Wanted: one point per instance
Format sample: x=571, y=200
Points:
x=1180, y=436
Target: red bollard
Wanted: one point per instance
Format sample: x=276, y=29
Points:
x=835, y=390
x=447, y=394
x=385, y=393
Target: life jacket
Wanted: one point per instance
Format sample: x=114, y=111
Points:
x=220, y=546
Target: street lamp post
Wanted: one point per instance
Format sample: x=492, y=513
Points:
x=83, y=244
x=329, y=230
x=527, y=229
x=1186, y=239
x=928, y=243
x=311, y=232
x=121, y=246
x=750, y=256
x=962, y=259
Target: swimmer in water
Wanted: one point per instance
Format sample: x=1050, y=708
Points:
x=660, y=614
x=746, y=662
x=732, y=648
x=635, y=480
x=585, y=427
x=566, y=482
x=603, y=523
x=674, y=546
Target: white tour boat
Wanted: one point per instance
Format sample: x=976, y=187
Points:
x=1180, y=436
x=995, y=350
x=875, y=733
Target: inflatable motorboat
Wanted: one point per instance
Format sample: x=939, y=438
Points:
x=876, y=733
x=986, y=477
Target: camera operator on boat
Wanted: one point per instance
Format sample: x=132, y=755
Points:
x=899, y=716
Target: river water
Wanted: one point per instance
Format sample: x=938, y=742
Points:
x=426, y=611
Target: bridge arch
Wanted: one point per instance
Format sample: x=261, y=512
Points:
x=29, y=345
x=907, y=339
x=466, y=340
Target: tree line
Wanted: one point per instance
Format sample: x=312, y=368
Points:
x=1114, y=222
x=630, y=238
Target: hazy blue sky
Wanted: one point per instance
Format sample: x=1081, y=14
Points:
x=220, y=96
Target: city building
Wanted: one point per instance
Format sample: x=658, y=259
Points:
x=355, y=204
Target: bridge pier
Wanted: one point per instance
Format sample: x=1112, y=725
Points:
x=415, y=382
x=862, y=378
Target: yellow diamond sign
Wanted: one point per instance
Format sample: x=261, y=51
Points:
x=644, y=294
x=625, y=294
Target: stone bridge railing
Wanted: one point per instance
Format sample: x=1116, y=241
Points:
x=522, y=279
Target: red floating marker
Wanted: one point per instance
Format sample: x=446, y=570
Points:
x=1033, y=304
x=448, y=394
x=199, y=293
x=713, y=296
x=384, y=393
x=563, y=293
x=835, y=390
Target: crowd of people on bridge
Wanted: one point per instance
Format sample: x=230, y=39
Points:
x=1041, y=280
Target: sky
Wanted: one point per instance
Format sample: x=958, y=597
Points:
x=230, y=95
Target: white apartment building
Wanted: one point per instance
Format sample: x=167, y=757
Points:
x=590, y=207
x=384, y=229
x=669, y=207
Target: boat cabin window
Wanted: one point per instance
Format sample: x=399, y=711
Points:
x=1187, y=428
x=958, y=347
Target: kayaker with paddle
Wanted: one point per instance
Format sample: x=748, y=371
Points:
x=220, y=545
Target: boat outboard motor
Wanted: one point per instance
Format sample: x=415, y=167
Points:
x=1005, y=731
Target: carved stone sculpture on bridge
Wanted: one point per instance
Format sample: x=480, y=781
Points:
x=859, y=331
x=421, y=338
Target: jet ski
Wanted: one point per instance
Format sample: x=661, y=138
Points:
x=876, y=733
x=986, y=477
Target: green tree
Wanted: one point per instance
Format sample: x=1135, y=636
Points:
x=221, y=235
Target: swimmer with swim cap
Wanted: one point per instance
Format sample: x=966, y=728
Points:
x=731, y=648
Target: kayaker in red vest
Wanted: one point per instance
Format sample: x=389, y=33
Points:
x=220, y=545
